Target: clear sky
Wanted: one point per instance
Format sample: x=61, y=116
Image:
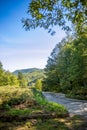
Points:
x=20, y=49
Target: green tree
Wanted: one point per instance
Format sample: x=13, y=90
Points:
x=52, y=81
x=7, y=78
x=1, y=74
x=73, y=67
x=1, y=66
x=48, y=13
x=68, y=64
x=38, y=84
x=21, y=79
x=13, y=80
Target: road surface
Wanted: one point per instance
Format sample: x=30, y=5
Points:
x=74, y=106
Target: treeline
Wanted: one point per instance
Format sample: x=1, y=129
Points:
x=7, y=78
x=33, y=79
x=66, y=69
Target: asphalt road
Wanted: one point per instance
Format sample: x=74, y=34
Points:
x=74, y=106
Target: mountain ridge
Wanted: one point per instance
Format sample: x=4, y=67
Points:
x=27, y=70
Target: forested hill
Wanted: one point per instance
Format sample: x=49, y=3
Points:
x=29, y=70
x=31, y=75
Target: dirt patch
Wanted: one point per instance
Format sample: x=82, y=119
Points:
x=27, y=104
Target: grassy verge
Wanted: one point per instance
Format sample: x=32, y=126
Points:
x=27, y=103
x=26, y=109
x=49, y=106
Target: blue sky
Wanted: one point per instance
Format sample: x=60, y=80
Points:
x=21, y=49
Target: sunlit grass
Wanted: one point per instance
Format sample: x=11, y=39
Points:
x=9, y=92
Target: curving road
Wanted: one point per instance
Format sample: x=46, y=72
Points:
x=74, y=106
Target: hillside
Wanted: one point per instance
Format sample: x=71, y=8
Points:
x=31, y=74
x=29, y=70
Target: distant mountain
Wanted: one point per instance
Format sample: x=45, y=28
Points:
x=31, y=75
x=29, y=70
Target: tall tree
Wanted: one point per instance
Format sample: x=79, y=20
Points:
x=38, y=84
x=22, y=80
x=51, y=82
x=70, y=66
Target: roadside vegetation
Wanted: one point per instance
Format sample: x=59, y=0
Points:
x=23, y=101
x=66, y=69
x=22, y=108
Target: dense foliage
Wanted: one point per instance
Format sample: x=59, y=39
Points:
x=21, y=79
x=66, y=68
x=34, y=76
x=7, y=78
x=30, y=76
x=27, y=77
x=48, y=13
x=38, y=84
